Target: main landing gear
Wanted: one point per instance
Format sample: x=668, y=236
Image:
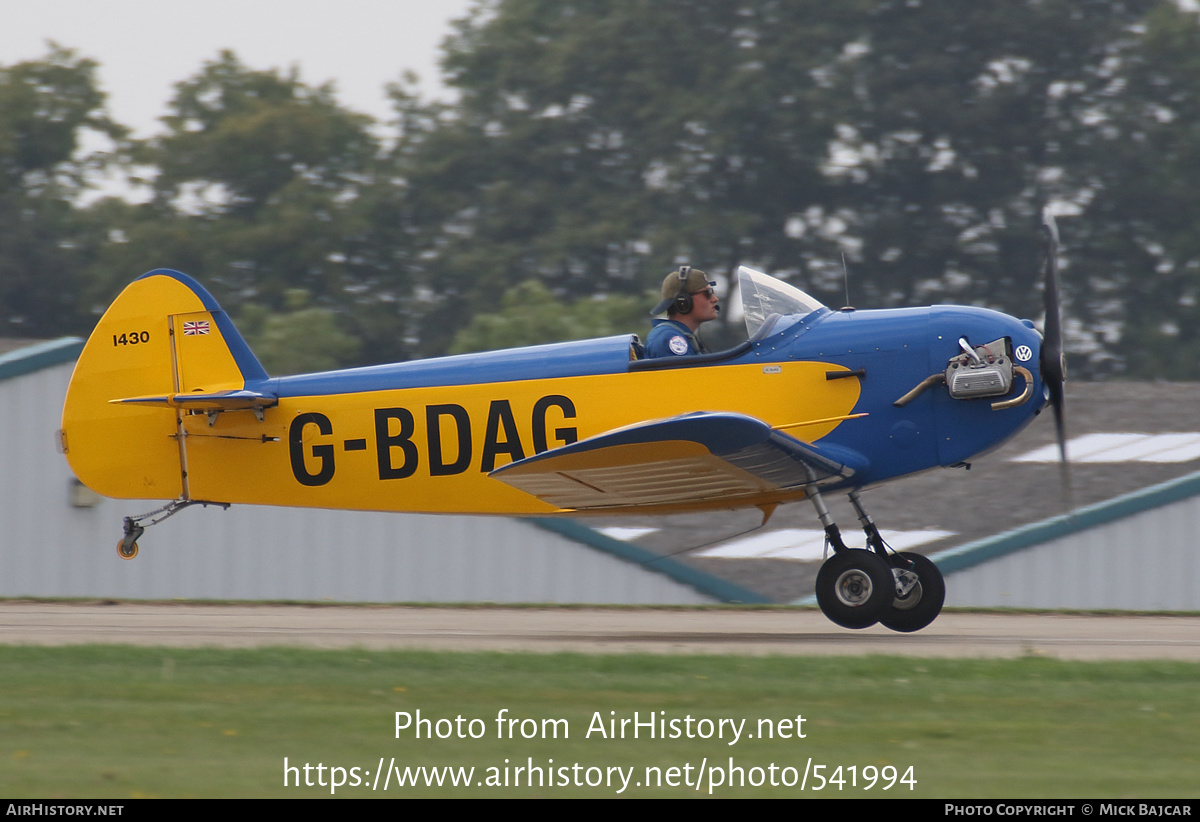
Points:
x=858, y=587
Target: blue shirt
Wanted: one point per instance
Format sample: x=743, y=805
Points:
x=670, y=338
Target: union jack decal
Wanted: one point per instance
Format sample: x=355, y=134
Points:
x=193, y=328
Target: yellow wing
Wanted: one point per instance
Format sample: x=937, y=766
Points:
x=679, y=463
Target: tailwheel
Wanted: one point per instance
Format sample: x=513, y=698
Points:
x=127, y=548
x=855, y=588
x=920, y=592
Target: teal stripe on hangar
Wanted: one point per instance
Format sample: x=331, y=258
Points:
x=705, y=583
x=38, y=356
x=1093, y=516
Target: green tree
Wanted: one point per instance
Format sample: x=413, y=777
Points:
x=1142, y=252
x=47, y=106
x=957, y=124
x=300, y=339
x=256, y=191
x=530, y=315
x=595, y=145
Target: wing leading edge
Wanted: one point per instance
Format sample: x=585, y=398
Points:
x=694, y=459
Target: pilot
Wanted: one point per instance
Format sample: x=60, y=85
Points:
x=689, y=300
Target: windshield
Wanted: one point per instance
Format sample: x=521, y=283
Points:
x=764, y=297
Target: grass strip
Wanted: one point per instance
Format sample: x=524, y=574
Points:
x=126, y=722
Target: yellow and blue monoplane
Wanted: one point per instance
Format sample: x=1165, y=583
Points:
x=168, y=402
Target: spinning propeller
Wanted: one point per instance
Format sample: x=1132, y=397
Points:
x=1052, y=360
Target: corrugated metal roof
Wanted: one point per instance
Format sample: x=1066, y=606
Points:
x=1106, y=447
x=28, y=358
x=805, y=544
x=1076, y=522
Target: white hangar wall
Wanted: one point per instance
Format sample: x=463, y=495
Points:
x=1134, y=552
x=53, y=548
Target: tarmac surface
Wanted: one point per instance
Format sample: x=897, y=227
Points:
x=781, y=631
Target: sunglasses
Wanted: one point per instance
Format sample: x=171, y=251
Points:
x=707, y=292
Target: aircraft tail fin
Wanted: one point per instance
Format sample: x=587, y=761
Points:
x=164, y=336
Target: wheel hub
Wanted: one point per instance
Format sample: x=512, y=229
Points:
x=908, y=589
x=853, y=588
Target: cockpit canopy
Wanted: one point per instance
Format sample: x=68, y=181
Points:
x=765, y=298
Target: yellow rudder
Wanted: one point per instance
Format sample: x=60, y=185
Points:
x=138, y=350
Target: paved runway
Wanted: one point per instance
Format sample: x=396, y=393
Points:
x=594, y=630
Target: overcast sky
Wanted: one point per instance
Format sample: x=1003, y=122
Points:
x=144, y=47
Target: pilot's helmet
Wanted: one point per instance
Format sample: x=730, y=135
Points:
x=678, y=288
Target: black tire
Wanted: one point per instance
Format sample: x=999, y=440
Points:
x=855, y=588
x=923, y=602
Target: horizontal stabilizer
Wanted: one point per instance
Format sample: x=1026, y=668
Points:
x=217, y=401
x=682, y=461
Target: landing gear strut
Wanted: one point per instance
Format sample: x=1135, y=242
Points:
x=857, y=587
x=135, y=526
